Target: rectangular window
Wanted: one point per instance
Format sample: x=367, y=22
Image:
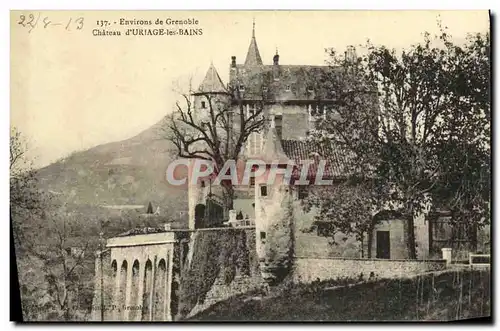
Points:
x=203, y=105
x=302, y=192
x=263, y=191
x=242, y=88
x=278, y=124
x=262, y=235
x=287, y=88
x=264, y=89
x=252, y=181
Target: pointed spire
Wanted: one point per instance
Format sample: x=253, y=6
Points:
x=253, y=55
x=212, y=82
x=253, y=28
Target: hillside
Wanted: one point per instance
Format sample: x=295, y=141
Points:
x=128, y=172
x=446, y=296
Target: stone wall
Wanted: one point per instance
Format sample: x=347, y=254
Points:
x=222, y=263
x=310, y=269
x=221, y=291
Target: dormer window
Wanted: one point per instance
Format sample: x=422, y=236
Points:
x=203, y=105
x=310, y=89
x=242, y=88
x=264, y=89
x=287, y=88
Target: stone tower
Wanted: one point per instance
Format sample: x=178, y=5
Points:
x=273, y=211
x=211, y=95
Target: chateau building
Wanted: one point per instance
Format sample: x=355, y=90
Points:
x=138, y=274
x=292, y=98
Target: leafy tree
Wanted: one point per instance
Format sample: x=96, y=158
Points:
x=397, y=114
x=348, y=206
x=53, y=249
x=465, y=148
x=26, y=200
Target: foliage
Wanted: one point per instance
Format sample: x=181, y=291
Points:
x=279, y=246
x=415, y=125
x=348, y=209
x=216, y=255
x=54, y=252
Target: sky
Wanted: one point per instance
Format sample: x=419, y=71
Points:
x=71, y=90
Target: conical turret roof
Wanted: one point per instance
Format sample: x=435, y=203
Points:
x=253, y=55
x=212, y=82
x=273, y=150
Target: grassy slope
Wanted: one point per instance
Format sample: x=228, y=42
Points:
x=427, y=298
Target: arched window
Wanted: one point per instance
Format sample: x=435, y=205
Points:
x=134, y=314
x=159, y=291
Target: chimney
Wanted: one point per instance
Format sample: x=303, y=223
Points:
x=276, y=63
x=233, y=61
x=278, y=124
x=276, y=59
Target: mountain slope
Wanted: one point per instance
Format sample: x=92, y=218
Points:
x=128, y=172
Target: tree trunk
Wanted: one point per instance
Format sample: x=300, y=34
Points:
x=410, y=233
x=370, y=238
x=228, y=198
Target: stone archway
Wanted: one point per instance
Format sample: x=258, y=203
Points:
x=122, y=290
x=159, y=291
x=147, y=286
x=134, y=312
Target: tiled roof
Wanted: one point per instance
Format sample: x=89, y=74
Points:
x=212, y=82
x=299, y=150
x=282, y=82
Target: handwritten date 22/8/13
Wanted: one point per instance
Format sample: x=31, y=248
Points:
x=32, y=21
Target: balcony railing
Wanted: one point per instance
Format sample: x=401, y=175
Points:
x=240, y=223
